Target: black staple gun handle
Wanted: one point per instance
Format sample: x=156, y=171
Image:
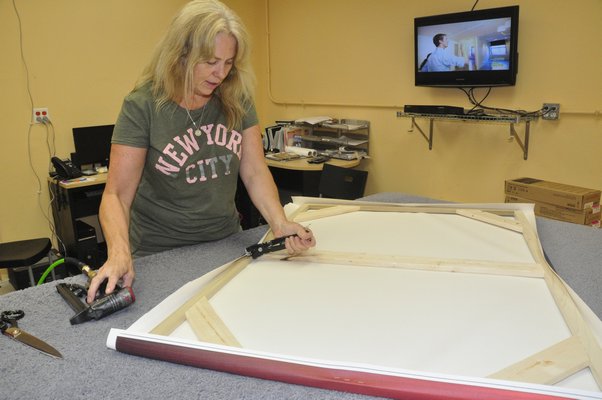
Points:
x=260, y=249
x=101, y=307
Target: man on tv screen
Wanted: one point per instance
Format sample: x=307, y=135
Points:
x=441, y=60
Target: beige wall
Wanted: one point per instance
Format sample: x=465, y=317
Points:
x=348, y=60
x=82, y=58
x=344, y=58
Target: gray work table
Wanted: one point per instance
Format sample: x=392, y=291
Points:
x=90, y=370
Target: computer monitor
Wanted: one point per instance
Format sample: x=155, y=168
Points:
x=92, y=145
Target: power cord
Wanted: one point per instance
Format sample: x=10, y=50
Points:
x=479, y=108
x=51, y=225
x=50, y=135
x=50, y=139
x=23, y=55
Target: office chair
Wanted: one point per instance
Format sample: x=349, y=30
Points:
x=22, y=255
x=342, y=183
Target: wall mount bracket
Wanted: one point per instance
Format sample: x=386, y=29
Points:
x=512, y=120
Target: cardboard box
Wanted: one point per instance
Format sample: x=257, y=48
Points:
x=589, y=216
x=574, y=197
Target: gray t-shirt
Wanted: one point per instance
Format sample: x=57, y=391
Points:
x=186, y=193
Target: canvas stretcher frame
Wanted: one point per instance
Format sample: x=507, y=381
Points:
x=218, y=348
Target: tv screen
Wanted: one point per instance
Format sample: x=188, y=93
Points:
x=92, y=145
x=467, y=49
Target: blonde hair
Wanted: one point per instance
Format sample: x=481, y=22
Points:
x=190, y=40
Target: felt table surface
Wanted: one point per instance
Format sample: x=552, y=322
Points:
x=90, y=370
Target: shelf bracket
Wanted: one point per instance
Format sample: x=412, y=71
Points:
x=510, y=119
x=523, y=145
x=428, y=138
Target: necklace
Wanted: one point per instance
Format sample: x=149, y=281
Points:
x=197, y=131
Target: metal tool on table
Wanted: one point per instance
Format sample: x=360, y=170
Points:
x=104, y=305
x=259, y=249
x=10, y=328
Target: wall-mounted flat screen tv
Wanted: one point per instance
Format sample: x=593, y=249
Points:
x=467, y=49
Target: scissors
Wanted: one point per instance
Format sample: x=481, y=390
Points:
x=10, y=328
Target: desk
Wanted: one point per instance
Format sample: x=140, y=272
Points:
x=80, y=198
x=72, y=201
x=301, y=164
x=89, y=369
x=298, y=177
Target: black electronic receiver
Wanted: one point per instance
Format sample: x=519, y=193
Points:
x=437, y=110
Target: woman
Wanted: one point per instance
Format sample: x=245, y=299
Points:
x=183, y=136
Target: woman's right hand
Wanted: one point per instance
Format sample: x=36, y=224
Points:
x=114, y=269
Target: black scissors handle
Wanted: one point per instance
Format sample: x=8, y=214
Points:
x=12, y=315
x=9, y=318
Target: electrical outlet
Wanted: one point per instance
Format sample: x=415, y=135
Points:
x=551, y=111
x=39, y=114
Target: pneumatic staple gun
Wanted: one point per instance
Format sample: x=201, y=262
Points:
x=105, y=305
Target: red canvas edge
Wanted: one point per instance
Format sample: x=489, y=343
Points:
x=360, y=382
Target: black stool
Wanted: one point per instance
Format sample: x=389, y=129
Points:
x=22, y=255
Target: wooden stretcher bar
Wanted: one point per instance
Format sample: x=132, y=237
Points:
x=208, y=326
x=175, y=319
x=421, y=263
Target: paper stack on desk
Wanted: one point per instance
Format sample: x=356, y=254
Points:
x=282, y=156
x=313, y=120
x=302, y=151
